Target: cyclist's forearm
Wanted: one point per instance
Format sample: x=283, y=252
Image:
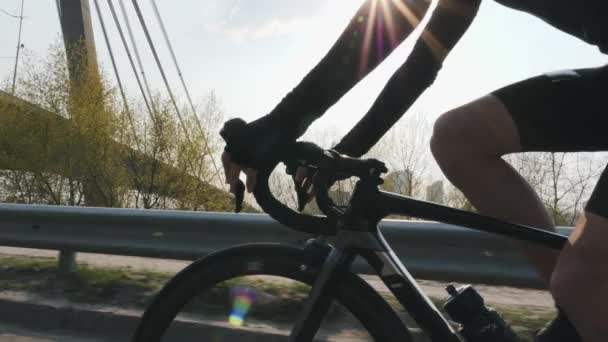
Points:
x=446, y=26
x=373, y=33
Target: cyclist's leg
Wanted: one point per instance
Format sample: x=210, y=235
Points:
x=561, y=112
x=468, y=143
x=581, y=269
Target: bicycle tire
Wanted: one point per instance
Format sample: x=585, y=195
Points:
x=361, y=300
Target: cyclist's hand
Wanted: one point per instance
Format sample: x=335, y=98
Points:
x=239, y=154
x=232, y=172
x=248, y=146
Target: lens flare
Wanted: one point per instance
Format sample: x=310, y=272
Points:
x=439, y=51
x=368, y=21
x=380, y=17
x=235, y=320
x=242, y=299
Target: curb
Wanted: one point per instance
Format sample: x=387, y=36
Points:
x=41, y=315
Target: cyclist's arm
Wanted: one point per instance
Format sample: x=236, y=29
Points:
x=446, y=26
x=362, y=46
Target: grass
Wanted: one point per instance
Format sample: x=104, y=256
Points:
x=135, y=288
x=91, y=285
x=126, y=287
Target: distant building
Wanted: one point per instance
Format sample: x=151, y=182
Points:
x=399, y=182
x=434, y=192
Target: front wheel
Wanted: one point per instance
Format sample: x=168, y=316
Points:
x=255, y=293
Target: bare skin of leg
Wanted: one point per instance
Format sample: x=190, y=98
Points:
x=468, y=143
x=581, y=269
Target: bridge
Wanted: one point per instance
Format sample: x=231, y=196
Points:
x=24, y=126
x=19, y=149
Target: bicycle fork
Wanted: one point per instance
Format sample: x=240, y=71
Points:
x=399, y=281
x=320, y=298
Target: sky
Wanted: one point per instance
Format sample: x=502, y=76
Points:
x=251, y=53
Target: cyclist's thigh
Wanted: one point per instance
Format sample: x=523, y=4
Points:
x=563, y=112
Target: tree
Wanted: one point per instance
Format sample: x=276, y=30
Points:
x=405, y=150
x=71, y=142
x=173, y=167
x=456, y=199
x=157, y=137
x=562, y=180
x=72, y=162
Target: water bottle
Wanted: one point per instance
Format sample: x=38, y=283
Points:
x=479, y=323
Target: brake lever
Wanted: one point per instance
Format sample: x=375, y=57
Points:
x=239, y=196
x=291, y=168
x=302, y=196
x=302, y=193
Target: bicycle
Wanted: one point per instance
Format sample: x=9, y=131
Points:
x=324, y=266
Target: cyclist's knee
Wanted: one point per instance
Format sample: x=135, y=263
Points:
x=454, y=138
x=480, y=129
x=445, y=132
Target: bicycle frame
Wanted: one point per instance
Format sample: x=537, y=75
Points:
x=361, y=236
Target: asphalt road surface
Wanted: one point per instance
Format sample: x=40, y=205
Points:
x=15, y=334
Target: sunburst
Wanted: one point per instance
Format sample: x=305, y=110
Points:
x=380, y=21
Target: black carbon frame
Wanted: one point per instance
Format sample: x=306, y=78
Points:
x=361, y=236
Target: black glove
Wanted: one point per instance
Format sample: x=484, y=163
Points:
x=254, y=144
x=251, y=146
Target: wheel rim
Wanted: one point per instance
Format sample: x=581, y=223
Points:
x=255, y=260
x=257, y=308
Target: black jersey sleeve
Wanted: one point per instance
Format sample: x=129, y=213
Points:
x=448, y=23
x=375, y=30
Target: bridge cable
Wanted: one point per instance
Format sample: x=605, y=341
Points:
x=179, y=72
x=122, y=92
x=137, y=57
x=160, y=68
x=58, y=10
x=162, y=73
x=18, y=49
x=128, y=51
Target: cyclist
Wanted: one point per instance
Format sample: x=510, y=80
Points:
x=563, y=111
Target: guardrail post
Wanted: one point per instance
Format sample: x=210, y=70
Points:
x=67, y=262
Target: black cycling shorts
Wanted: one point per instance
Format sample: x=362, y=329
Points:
x=564, y=111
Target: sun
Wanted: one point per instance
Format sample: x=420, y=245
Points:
x=381, y=27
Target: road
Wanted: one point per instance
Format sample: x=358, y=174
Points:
x=535, y=302
x=501, y=295
x=14, y=334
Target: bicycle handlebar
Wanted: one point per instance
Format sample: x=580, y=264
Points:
x=329, y=164
x=305, y=223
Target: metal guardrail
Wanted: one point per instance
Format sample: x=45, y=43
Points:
x=429, y=250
